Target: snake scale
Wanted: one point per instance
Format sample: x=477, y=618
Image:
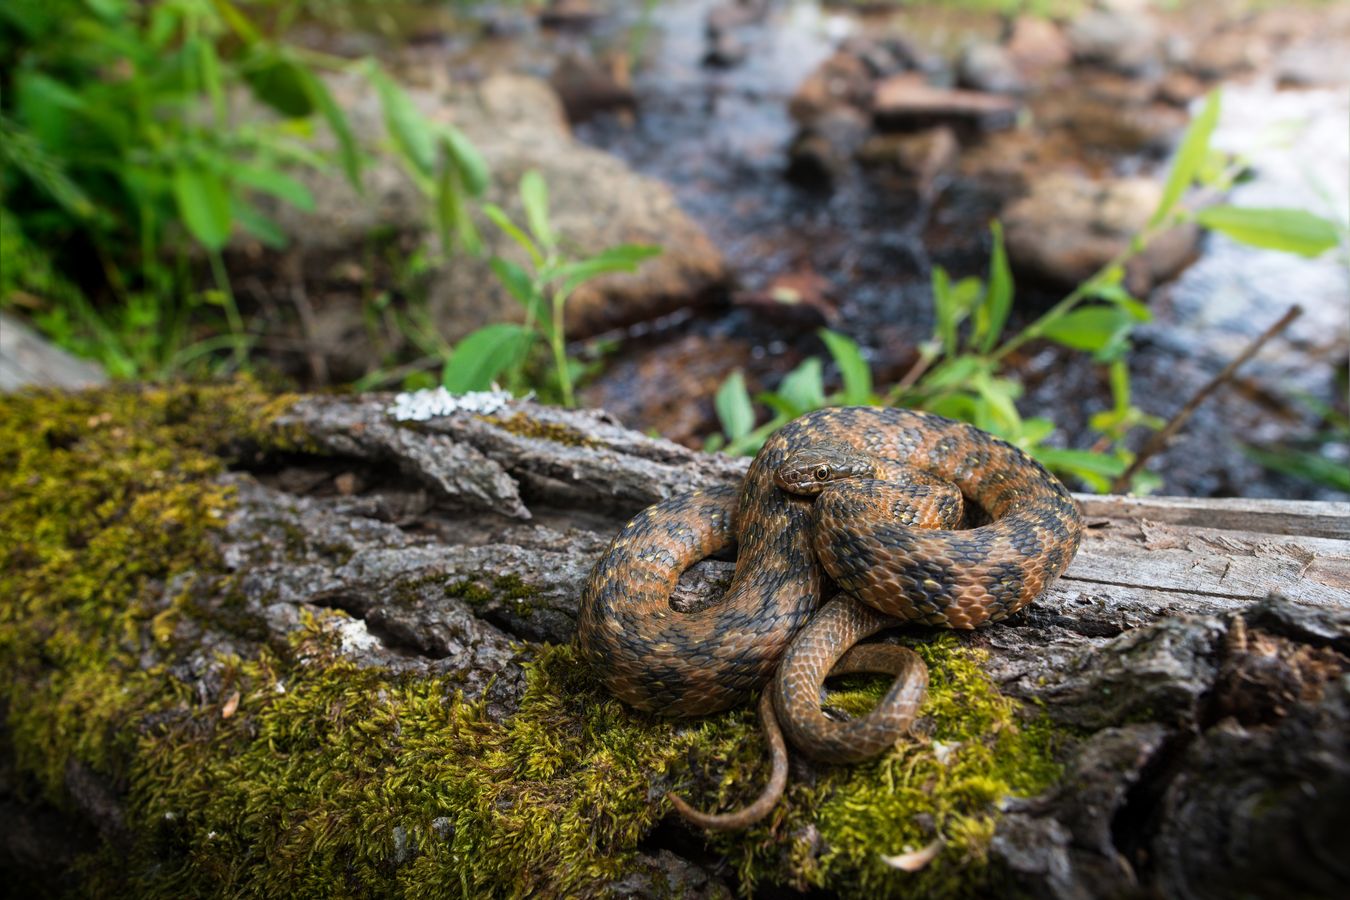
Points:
x=868, y=499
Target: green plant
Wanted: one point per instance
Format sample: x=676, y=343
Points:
x=126, y=162
x=542, y=290
x=962, y=371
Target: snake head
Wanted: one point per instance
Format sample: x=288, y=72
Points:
x=811, y=470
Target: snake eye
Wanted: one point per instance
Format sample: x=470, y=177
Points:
x=822, y=473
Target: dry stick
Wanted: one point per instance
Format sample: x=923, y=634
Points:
x=1159, y=440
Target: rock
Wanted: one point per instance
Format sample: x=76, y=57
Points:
x=1037, y=47
x=1069, y=226
x=841, y=80
x=725, y=50
x=29, y=359
x=907, y=101
x=587, y=87
x=802, y=299
x=885, y=56
x=1136, y=128
x=1124, y=41
x=1179, y=88
x=517, y=123
x=637, y=385
x=1311, y=64
x=735, y=14
x=569, y=15
x=990, y=68
x=923, y=155
x=1227, y=54
x=823, y=151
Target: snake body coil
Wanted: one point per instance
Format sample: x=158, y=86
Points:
x=870, y=496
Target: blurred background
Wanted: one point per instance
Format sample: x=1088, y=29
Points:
x=1056, y=219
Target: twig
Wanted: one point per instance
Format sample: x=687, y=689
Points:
x=1160, y=438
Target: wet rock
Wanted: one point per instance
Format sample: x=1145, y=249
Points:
x=990, y=68
x=1142, y=128
x=1179, y=88
x=725, y=50
x=1227, y=54
x=669, y=387
x=823, y=151
x=569, y=15
x=587, y=86
x=1037, y=47
x=518, y=124
x=1069, y=226
x=842, y=80
x=907, y=101
x=923, y=156
x=1123, y=40
x=801, y=298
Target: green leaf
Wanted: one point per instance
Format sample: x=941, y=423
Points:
x=1290, y=230
x=734, y=409
x=484, y=354
x=404, y=122
x=1191, y=156
x=499, y=218
x=242, y=26
x=204, y=204
x=1097, y=470
x=514, y=278
x=992, y=314
x=449, y=212
x=624, y=258
x=277, y=183
x=473, y=169
x=534, y=196
x=804, y=387
x=280, y=82
x=852, y=367
x=349, y=152
x=258, y=225
x=1091, y=328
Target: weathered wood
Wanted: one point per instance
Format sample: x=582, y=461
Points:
x=450, y=540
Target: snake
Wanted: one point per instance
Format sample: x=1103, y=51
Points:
x=868, y=500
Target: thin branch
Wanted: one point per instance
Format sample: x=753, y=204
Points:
x=1161, y=438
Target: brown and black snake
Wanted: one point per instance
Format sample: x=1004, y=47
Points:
x=868, y=498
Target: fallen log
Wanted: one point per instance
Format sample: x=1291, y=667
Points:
x=296, y=645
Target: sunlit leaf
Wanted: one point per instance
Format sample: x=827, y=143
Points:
x=277, y=183
x=992, y=314
x=734, y=409
x=853, y=368
x=534, y=196
x=1090, y=328
x=204, y=203
x=406, y=125
x=480, y=357
x=804, y=387
x=349, y=152
x=498, y=217
x=1290, y=230
x=473, y=169
x=1191, y=156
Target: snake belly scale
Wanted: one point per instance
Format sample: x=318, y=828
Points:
x=865, y=498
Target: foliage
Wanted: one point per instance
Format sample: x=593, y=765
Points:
x=120, y=139
x=542, y=288
x=962, y=370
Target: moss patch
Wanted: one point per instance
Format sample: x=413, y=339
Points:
x=301, y=772
x=521, y=424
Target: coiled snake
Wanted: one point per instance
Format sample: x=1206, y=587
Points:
x=873, y=497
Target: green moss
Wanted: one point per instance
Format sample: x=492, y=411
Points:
x=524, y=425
x=508, y=588
x=323, y=777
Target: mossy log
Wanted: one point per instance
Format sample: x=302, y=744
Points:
x=257, y=645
